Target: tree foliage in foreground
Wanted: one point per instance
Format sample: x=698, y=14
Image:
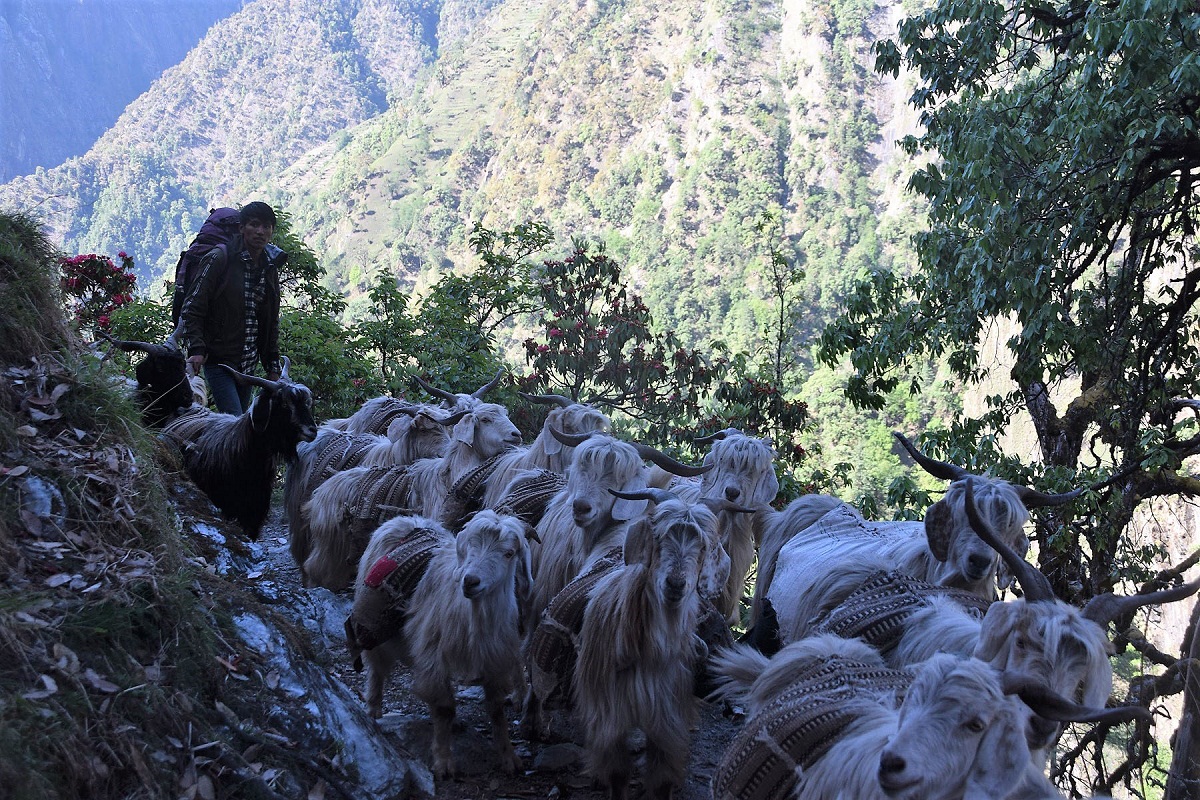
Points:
x=1063, y=204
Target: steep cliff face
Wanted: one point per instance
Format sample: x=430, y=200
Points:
x=70, y=68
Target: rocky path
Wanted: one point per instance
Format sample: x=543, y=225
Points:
x=391, y=755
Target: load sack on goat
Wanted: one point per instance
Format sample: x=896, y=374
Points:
x=379, y=615
x=553, y=644
x=217, y=231
x=877, y=610
x=800, y=725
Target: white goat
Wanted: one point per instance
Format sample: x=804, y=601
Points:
x=586, y=519
x=637, y=651
x=352, y=503
x=824, y=723
x=816, y=566
x=742, y=473
x=411, y=437
x=455, y=617
x=546, y=451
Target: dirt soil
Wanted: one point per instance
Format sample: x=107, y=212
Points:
x=551, y=769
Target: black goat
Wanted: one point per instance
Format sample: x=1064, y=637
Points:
x=234, y=459
x=163, y=389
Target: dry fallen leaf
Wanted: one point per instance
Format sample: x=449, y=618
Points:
x=99, y=683
x=27, y=430
x=15, y=471
x=59, y=579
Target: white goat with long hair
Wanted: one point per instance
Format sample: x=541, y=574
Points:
x=455, y=616
x=412, y=436
x=352, y=503
x=825, y=722
x=742, y=473
x=1064, y=647
x=819, y=565
x=376, y=416
x=585, y=519
x=637, y=651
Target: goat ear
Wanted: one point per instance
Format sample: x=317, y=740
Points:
x=260, y=411
x=523, y=585
x=464, y=430
x=550, y=444
x=624, y=510
x=997, y=631
x=767, y=489
x=639, y=543
x=1001, y=757
x=939, y=527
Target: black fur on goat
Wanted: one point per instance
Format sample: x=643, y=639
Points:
x=163, y=391
x=234, y=459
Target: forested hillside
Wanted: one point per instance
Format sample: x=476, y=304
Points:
x=696, y=140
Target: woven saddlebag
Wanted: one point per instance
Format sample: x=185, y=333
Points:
x=552, y=647
x=381, y=603
x=789, y=734
x=877, y=611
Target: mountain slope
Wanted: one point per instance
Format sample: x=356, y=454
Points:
x=389, y=127
x=71, y=68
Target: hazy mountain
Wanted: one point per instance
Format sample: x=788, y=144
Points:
x=70, y=67
x=388, y=127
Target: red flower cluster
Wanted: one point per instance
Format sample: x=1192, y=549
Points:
x=95, y=286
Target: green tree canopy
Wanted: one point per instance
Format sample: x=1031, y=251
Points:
x=1061, y=143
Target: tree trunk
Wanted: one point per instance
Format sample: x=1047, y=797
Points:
x=1183, y=781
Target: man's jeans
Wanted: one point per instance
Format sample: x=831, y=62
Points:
x=226, y=394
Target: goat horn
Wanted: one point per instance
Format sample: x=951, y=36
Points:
x=1048, y=704
x=938, y=469
x=669, y=464
x=441, y=394
x=242, y=379
x=447, y=421
x=1104, y=608
x=487, y=387
x=1036, y=586
x=649, y=493
x=718, y=504
x=1032, y=498
x=284, y=364
x=547, y=399
x=130, y=346
x=570, y=439
x=714, y=437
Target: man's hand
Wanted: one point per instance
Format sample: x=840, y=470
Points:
x=196, y=362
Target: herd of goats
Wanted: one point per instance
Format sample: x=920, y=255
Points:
x=880, y=663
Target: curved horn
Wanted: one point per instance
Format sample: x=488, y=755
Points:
x=1104, y=608
x=487, y=387
x=649, y=493
x=1032, y=498
x=130, y=346
x=548, y=399
x=719, y=504
x=440, y=394
x=1048, y=704
x=241, y=379
x=938, y=469
x=1036, y=586
x=448, y=421
x=669, y=464
x=284, y=364
x=570, y=439
x=714, y=437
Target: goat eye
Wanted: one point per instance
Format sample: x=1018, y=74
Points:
x=974, y=725
x=509, y=553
